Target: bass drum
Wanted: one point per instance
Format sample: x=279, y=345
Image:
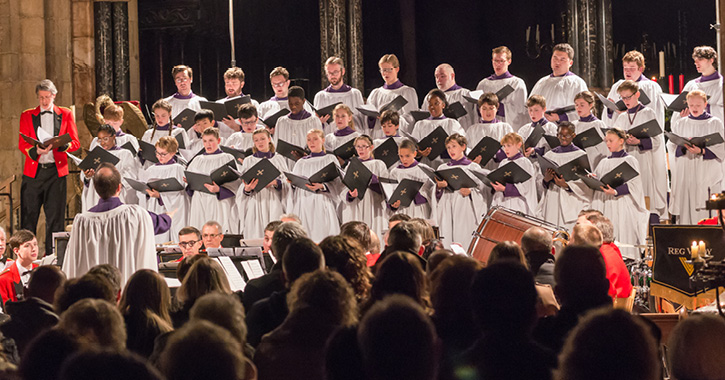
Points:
x=501, y=224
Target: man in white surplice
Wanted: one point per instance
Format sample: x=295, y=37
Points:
x=112, y=232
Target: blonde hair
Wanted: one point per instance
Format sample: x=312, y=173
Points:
x=347, y=109
x=634, y=56
x=502, y=50
x=512, y=138
x=389, y=58
x=536, y=100
x=461, y=140
x=320, y=133
x=279, y=70
x=335, y=61
x=211, y=131
x=234, y=73
x=269, y=136
x=697, y=94
x=628, y=85
x=113, y=112
x=168, y=143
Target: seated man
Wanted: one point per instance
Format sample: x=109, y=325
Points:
x=17, y=276
x=212, y=234
x=620, y=282
x=189, y=242
x=404, y=236
x=536, y=244
x=113, y=233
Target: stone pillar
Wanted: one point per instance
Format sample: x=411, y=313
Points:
x=590, y=34
x=341, y=36
x=103, y=25
x=120, y=51
x=133, y=52
x=355, y=46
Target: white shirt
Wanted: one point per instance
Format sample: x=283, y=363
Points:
x=24, y=272
x=46, y=122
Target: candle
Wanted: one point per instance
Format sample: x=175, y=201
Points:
x=701, y=249
x=528, y=31
x=552, y=33
x=693, y=251
x=671, y=83
x=662, y=64
x=537, y=34
x=682, y=82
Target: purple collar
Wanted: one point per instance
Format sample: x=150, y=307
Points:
x=313, y=154
x=588, y=119
x=163, y=127
x=276, y=99
x=641, y=77
x=620, y=154
x=542, y=122
x=518, y=155
x=179, y=96
x=395, y=135
x=259, y=154
x=368, y=159
x=441, y=117
x=462, y=161
x=453, y=88
x=344, y=132
x=568, y=73
x=115, y=147
x=398, y=84
x=704, y=116
x=565, y=149
x=505, y=75
x=302, y=115
x=706, y=78
x=636, y=108
x=169, y=162
x=234, y=97
x=120, y=133
x=414, y=164
x=343, y=88
x=106, y=204
x=490, y=122
x=217, y=151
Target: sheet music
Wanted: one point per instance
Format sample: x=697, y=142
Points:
x=252, y=269
x=172, y=282
x=236, y=281
x=43, y=136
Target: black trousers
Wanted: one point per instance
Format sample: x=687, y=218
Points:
x=46, y=190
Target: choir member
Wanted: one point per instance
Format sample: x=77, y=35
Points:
x=562, y=200
x=127, y=166
x=345, y=128
x=167, y=201
x=436, y=103
x=113, y=116
x=279, y=79
x=338, y=91
x=536, y=106
x=256, y=209
x=202, y=120
x=649, y=152
x=705, y=58
x=248, y=119
x=390, y=124
x=183, y=98
x=459, y=212
x=317, y=205
x=423, y=206
x=560, y=87
x=584, y=103
x=233, y=84
x=446, y=81
x=217, y=205
x=488, y=126
x=162, y=124
x=393, y=87
x=519, y=196
x=698, y=168
x=293, y=128
x=512, y=108
x=371, y=208
x=623, y=205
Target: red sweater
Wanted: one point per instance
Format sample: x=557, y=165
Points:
x=620, y=284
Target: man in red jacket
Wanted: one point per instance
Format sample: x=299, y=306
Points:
x=44, y=182
x=17, y=275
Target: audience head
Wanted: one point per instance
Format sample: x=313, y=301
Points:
x=326, y=293
x=347, y=257
x=110, y=365
x=212, y=234
x=507, y=250
x=358, y=231
x=205, y=276
x=185, y=264
x=400, y=273
x=605, y=226
x=436, y=258
x=95, y=323
x=586, y=234
x=374, y=242
x=586, y=213
x=110, y=273
x=146, y=291
x=223, y=310
x=284, y=235
x=398, y=341
x=301, y=256
x=536, y=239
x=695, y=348
x=190, y=241
x=405, y=236
x=268, y=233
x=45, y=355
x=107, y=181
x=290, y=218
x=44, y=281
x=581, y=278
x=450, y=290
x=88, y=286
x=609, y=344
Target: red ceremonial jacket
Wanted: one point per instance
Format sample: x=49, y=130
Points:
x=8, y=278
x=620, y=282
x=63, y=123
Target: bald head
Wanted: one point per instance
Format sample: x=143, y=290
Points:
x=536, y=239
x=107, y=181
x=586, y=234
x=445, y=76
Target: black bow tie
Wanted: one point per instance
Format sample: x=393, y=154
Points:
x=44, y=112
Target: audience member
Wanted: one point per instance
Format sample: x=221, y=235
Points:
x=110, y=273
x=507, y=250
x=345, y=256
x=620, y=282
x=46, y=354
x=537, y=246
x=399, y=273
x=586, y=234
x=212, y=234
x=108, y=365
x=88, y=286
x=95, y=323
x=145, y=308
x=436, y=258
x=190, y=242
x=343, y=360
x=406, y=237
x=205, y=276
x=695, y=348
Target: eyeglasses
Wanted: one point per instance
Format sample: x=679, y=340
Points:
x=205, y=236
x=248, y=122
x=45, y=97
x=279, y=84
x=626, y=97
x=160, y=154
x=362, y=146
x=386, y=70
x=106, y=139
x=499, y=61
x=188, y=244
x=336, y=72
x=182, y=80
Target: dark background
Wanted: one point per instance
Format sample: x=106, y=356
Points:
x=273, y=33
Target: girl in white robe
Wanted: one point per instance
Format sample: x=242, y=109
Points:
x=371, y=209
x=167, y=201
x=584, y=103
x=345, y=129
x=698, y=169
x=257, y=209
x=424, y=204
x=516, y=196
x=393, y=87
x=162, y=127
x=436, y=103
x=562, y=200
x=624, y=206
x=217, y=206
x=293, y=127
x=488, y=126
x=536, y=106
x=317, y=205
x=459, y=212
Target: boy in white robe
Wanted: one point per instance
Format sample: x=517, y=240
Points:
x=446, y=82
x=393, y=87
x=279, y=79
x=698, y=168
x=202, y=120
x=390, y=124
x=488, y=126
x=162, y=125
x=338, y=91
x=113, y=116
x=248, y=119
x=183, y=98
x=512, y=109
x=536, y=106
x=584, y=103
x=516, y=196
x=437, y=102
x=560, y=87
x=649, y=152
x=424, y=204
x=233, y=84
x=293, y=127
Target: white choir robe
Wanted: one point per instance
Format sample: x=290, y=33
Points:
x=398, y=140
x=425, y=127
x=560, y=91
x=496, y=130
x=597, y=152
x=224, y=130
x=178, y=105
x=127, y=166
x=559, y=206
x=204, y=206
x=349, y=96
x=652, y=164
x=514, y=105
x=172, y=200
x=526, y=201
x=550, y=129
x=151, y=136
x=455, y=94
x=122, y=237
x=121, y=139
x=649, y=87
x=425, y=210
x=459, y=216
x=294, y=132
x=627, y=212
x=317, y=211
x=372, y=208
x=256, y=209
x=339, y=138
x=240, y=140
x=274, y=105
x=695, y=175
x=383, y=95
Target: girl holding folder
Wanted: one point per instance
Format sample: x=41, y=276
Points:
x=424, y=204
x=516, y=196
x=590, y=124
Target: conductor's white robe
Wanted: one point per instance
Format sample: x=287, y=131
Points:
x=459, y=216
x=514, y=105
x=560, y=91
x=217, y=207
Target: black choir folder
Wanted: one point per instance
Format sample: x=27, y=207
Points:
x=94, y=158
x=453, y=111
x=160, y=185
x=128, y=146
x=229, y=108
x=239, y=155
x=357, y=176
x=325, y=111
x=395, y=105
x=701, y=142
x=486, y=148
x=264, y=171
x=435, y=140
x=616, y=177
x=587, y=139
x=405, y=191
x=536, y=134
x=676, y=103
x=285, y=149
x=326, y=174
x=185, y=119
x=147, y=151
x=568, y=171
x=271, y=120
x=647, y=129
x=619, y=105
x=387, y=152
x=509, y=173
x=346, y=150
x=457, y=178
x=561, y=110
x=224, y=174
x=505, y=91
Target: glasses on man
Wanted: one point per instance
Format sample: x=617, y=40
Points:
x=206, y=236
x=336, y=72
x=162, y=154
x=188, y=244
x=386, y=70
x=182, y=80
x=626, y=97
x=278, y=84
